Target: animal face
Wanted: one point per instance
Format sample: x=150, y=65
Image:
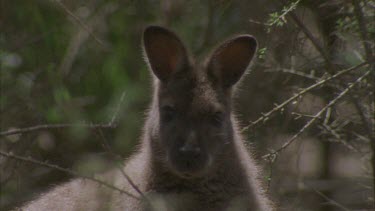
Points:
x=193, y=100
x=194, y=123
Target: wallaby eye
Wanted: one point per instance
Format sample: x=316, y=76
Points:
x=168, y=113
x=217, y=119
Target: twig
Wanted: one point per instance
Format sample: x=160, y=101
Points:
x=265, y=117
x=317, y=115
x=67, y=171
x=107, y=147
x=361, y=137
x=78, y=39
x=119, y=164
x=369, y=55
x=281, y=17
x=258, y=22
x=79, y=21
x=313, y=40
x=272, y=160
x=117, y=111
x=295, y=72
x=333, y=132
x=54, y=126
x=362, y=28
x=111, y=124
x=333, y=202
x=127, y=177
x=299, y=115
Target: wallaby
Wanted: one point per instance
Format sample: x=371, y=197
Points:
x=192, y=156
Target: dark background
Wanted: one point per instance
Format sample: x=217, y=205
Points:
x=80, y=62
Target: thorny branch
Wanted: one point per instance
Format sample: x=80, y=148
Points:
x=67, y=171
x=313, y=40
x=316, y=116
x=333, y=132
x=286, y=11
x=265, y=117
x=323, y=52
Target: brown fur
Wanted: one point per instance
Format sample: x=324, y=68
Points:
x=192, y=156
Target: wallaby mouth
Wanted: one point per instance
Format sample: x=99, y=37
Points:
x=190, y=164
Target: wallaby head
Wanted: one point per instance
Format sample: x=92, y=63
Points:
x=191, y=127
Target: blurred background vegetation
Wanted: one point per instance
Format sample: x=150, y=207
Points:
x=79, y=62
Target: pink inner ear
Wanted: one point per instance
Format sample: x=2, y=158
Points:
x=235, y=57
x=231, y=59
x=165, y=54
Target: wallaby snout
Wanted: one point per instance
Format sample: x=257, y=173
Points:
x=189, y=150
x=189, y=158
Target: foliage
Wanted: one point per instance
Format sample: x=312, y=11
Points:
x=277, y=19
x=70, y=62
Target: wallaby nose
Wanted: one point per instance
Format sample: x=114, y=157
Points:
x=190, y=147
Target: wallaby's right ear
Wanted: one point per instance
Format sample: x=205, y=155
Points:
x=231, y=59
x=165, y=52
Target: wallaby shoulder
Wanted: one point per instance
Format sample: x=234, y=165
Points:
x=83, y=194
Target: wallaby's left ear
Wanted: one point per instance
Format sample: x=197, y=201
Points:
x=165, y=52
x=230, y=60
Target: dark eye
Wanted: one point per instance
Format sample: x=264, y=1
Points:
x=217, y=119
x=168, y=113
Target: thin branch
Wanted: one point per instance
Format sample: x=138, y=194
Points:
x=80, y=37
x=369, y=55
x=362, y=29
x=117, y=111
x=110, y=125
x=271, y=160
x=258, y=22
x=67, y=171
x=54, y=126
x=79, y=21
x=299, y=115
x=335, y=133
x=119, y=165
x=311, y=37
x=313, y=40
x=316, y=116
x=281, y=17
x=265, y=117
x=134, y=186
x=331, y=201
x=295, y=72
